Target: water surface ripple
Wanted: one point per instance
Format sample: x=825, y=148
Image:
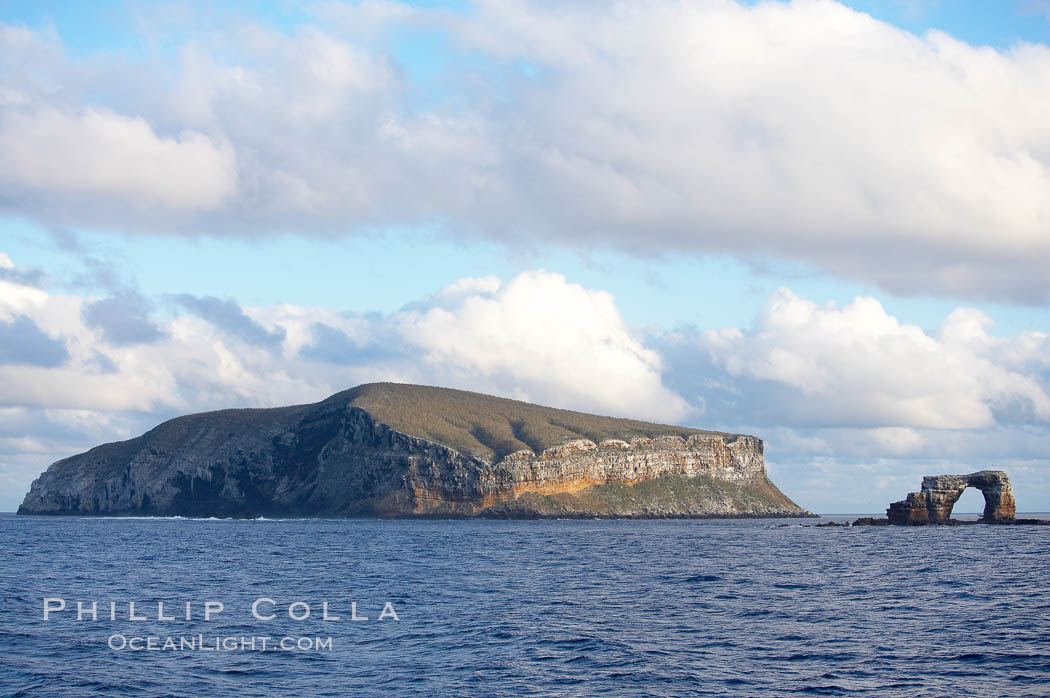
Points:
x=655, y=608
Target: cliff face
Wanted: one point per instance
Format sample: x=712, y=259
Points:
x=335, y=458
x=933, y=503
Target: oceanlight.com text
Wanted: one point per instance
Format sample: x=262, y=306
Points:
x=218, y=643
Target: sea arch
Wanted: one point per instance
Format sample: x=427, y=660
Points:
x=939, y=493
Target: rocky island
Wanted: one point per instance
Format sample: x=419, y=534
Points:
x=396, y=450
x=932, y=505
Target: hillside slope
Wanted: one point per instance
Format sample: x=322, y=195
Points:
x=401, y=450
x=492, y=427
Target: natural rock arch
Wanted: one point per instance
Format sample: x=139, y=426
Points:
x=933, y=504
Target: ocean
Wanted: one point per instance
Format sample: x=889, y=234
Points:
x=568, y=608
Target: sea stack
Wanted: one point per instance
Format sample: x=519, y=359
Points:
x=396, y=450
x=934, y=502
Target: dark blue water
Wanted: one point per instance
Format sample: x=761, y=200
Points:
x=547, y=607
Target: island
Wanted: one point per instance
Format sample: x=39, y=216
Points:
x=934, y=502
x=932, y=505
x=399, y=450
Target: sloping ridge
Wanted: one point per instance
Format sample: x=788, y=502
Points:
x=388, y=449
x=491, y=427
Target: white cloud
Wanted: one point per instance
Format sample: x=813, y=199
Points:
x=98, y=153
x=543, y=339
x=536, y=337
x=849, y=390
x=859, y=366
x=896, y=440
x=804, y=131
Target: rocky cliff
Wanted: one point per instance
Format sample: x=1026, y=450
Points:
x=399, y=450
x=934, y=502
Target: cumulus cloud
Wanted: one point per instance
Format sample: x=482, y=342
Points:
x=27, y=276
x=379, y=344
x=230, y=319
x=123, y=318
x=535, y=337
x=837, y=392
x=99, y=157
x=22, y=342
x=539, y=337
x=803, y=131
x=856, y=365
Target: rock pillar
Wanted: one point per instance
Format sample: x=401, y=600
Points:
x=933, y=504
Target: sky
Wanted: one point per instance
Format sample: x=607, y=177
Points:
x=823, y=223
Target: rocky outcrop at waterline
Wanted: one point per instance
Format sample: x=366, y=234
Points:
x=934, y=502
x=397, y=450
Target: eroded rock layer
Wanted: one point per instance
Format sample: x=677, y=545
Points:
x=934, y=502
x=334, y=458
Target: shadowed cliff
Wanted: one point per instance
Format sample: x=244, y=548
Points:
x=403, y=450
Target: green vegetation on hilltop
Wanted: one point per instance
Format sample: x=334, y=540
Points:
x=487, y=426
